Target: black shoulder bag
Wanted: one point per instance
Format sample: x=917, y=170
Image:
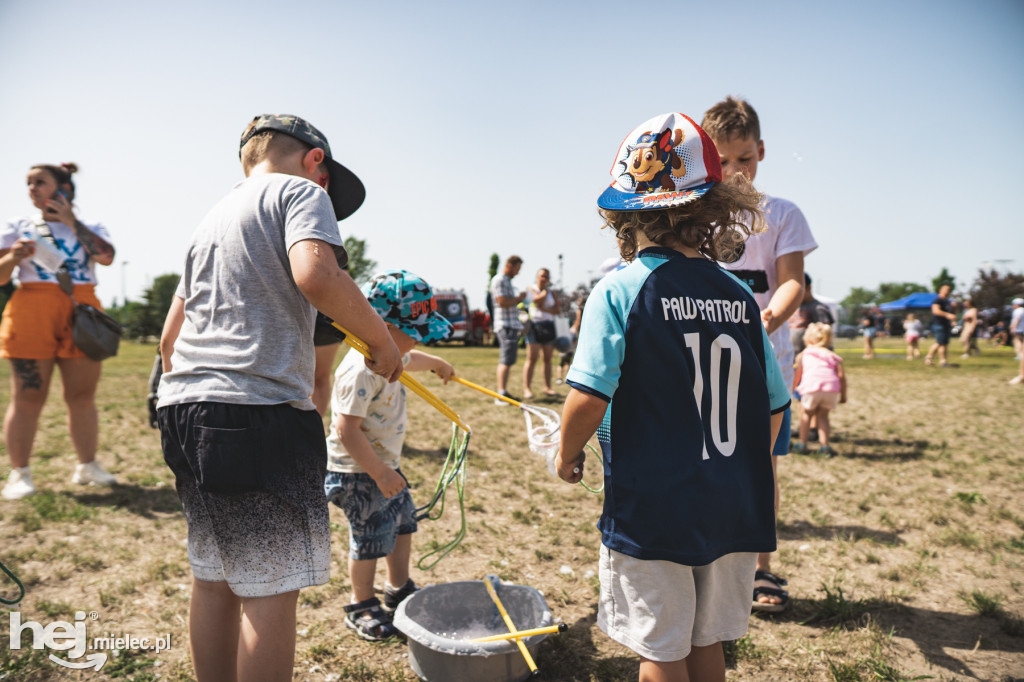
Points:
x=96, y=334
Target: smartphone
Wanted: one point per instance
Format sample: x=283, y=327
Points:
x=58, y=193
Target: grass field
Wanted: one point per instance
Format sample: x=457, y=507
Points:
x=904, y=553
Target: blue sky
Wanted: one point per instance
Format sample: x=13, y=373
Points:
x=482, y=129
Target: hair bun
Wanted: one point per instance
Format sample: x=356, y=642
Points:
x=70, y=167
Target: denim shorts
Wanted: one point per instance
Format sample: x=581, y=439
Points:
x=941, y=333
x=782, y=442
x=249, y=478
x=374, y=521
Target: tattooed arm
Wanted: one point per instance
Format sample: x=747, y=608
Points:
x=98, y=248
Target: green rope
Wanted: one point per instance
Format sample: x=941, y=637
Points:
x=600, y=459
x=17, y=582
x=453, y=471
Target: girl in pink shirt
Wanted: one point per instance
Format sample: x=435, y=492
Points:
x=821, y=382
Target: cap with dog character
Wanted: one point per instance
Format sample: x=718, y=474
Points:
x=345, y=189
x=406, y=301
x=666, y=161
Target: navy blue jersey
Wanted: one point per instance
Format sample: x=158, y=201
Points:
x=677, y=347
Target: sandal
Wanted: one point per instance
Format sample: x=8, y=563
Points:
x=775, y=591
x=369, y=620
x=798, y=449
x=827, y=451
x=392, y=598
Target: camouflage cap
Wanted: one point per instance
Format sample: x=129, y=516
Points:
x=406, y=301
x=345, y=189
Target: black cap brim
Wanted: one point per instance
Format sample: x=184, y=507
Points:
x=345, y=189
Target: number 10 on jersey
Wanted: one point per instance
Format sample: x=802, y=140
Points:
x=725, y=446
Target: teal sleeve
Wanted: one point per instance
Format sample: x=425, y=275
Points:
x=778, y=392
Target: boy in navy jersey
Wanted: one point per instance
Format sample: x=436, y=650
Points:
x=674, y=372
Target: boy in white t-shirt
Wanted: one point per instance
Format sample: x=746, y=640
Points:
x=364, y=451
x=772, y=265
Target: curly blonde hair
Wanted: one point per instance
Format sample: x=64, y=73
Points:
x=818, y=334
x=716, y=225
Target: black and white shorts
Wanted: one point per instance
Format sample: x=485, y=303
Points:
x=250, y=479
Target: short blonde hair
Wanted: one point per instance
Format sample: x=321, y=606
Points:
x=269, y=144
x=731, y=118
x=716, y=225
x=818, y=334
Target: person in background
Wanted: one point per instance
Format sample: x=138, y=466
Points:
x=821, y=382
x=810, y=310
x=541, y=337
x=869, y=330
x=943, y=318
x=35, y=333
x=506, y=324
x=969, y=329
x=1016, y=330
x=912, y=328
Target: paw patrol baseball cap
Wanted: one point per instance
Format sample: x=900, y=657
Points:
x=406, y=301
x=345, y=189
x=666, y=161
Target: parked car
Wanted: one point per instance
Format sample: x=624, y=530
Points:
x=470, y=326
x=846, y=331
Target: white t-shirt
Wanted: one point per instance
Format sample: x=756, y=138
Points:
x=1017, y=321
x=786, y=231
x=536, y=314
x=358, y=392
x=81, y=266
x=247, y=337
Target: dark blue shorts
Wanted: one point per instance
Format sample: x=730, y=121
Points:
x=782, y=442
x=374, y=521
x=941, y=333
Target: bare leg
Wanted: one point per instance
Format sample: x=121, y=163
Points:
x=805, y=426
x=30, y=384
x=532, y=352
x=398, y=561
x=671, y=671
x=824, y=431
x=706, y=663
x=322, y=377
x=764, y=559
x=942, y=354
x=502, y=378
x=361, y=572
x=266, y=642
x=80, y=377
x=213, y=623
x=548, y=351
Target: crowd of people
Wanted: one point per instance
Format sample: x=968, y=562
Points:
x=712, y=269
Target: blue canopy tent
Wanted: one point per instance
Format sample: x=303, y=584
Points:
x=920, y=300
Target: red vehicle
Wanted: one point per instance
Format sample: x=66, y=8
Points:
x=470, y=325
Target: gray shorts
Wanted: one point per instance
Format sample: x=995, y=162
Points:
x=374, y=521
x=659, y=609
x=508, y=340
x=250, y=479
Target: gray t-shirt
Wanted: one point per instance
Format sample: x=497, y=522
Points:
x=247, y=337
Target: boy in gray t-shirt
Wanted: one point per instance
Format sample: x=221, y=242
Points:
x=237, y=424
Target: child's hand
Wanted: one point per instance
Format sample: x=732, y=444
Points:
x=570, y=471
x=766, y=319
x=444, y=370
x=390, y=482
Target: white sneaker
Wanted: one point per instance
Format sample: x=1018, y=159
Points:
x=19, y=484
x=1015, y=380
x=92, y=473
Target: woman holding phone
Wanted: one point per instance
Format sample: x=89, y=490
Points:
x=35, y=332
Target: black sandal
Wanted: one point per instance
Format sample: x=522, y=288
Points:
x=369, y=620
x=776, y=591
x=392, y=598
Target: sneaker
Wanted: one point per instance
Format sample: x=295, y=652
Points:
x=92, y=473
x=19, y=484
x=393, y=597
x=499, y=401
x=1015, y=380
